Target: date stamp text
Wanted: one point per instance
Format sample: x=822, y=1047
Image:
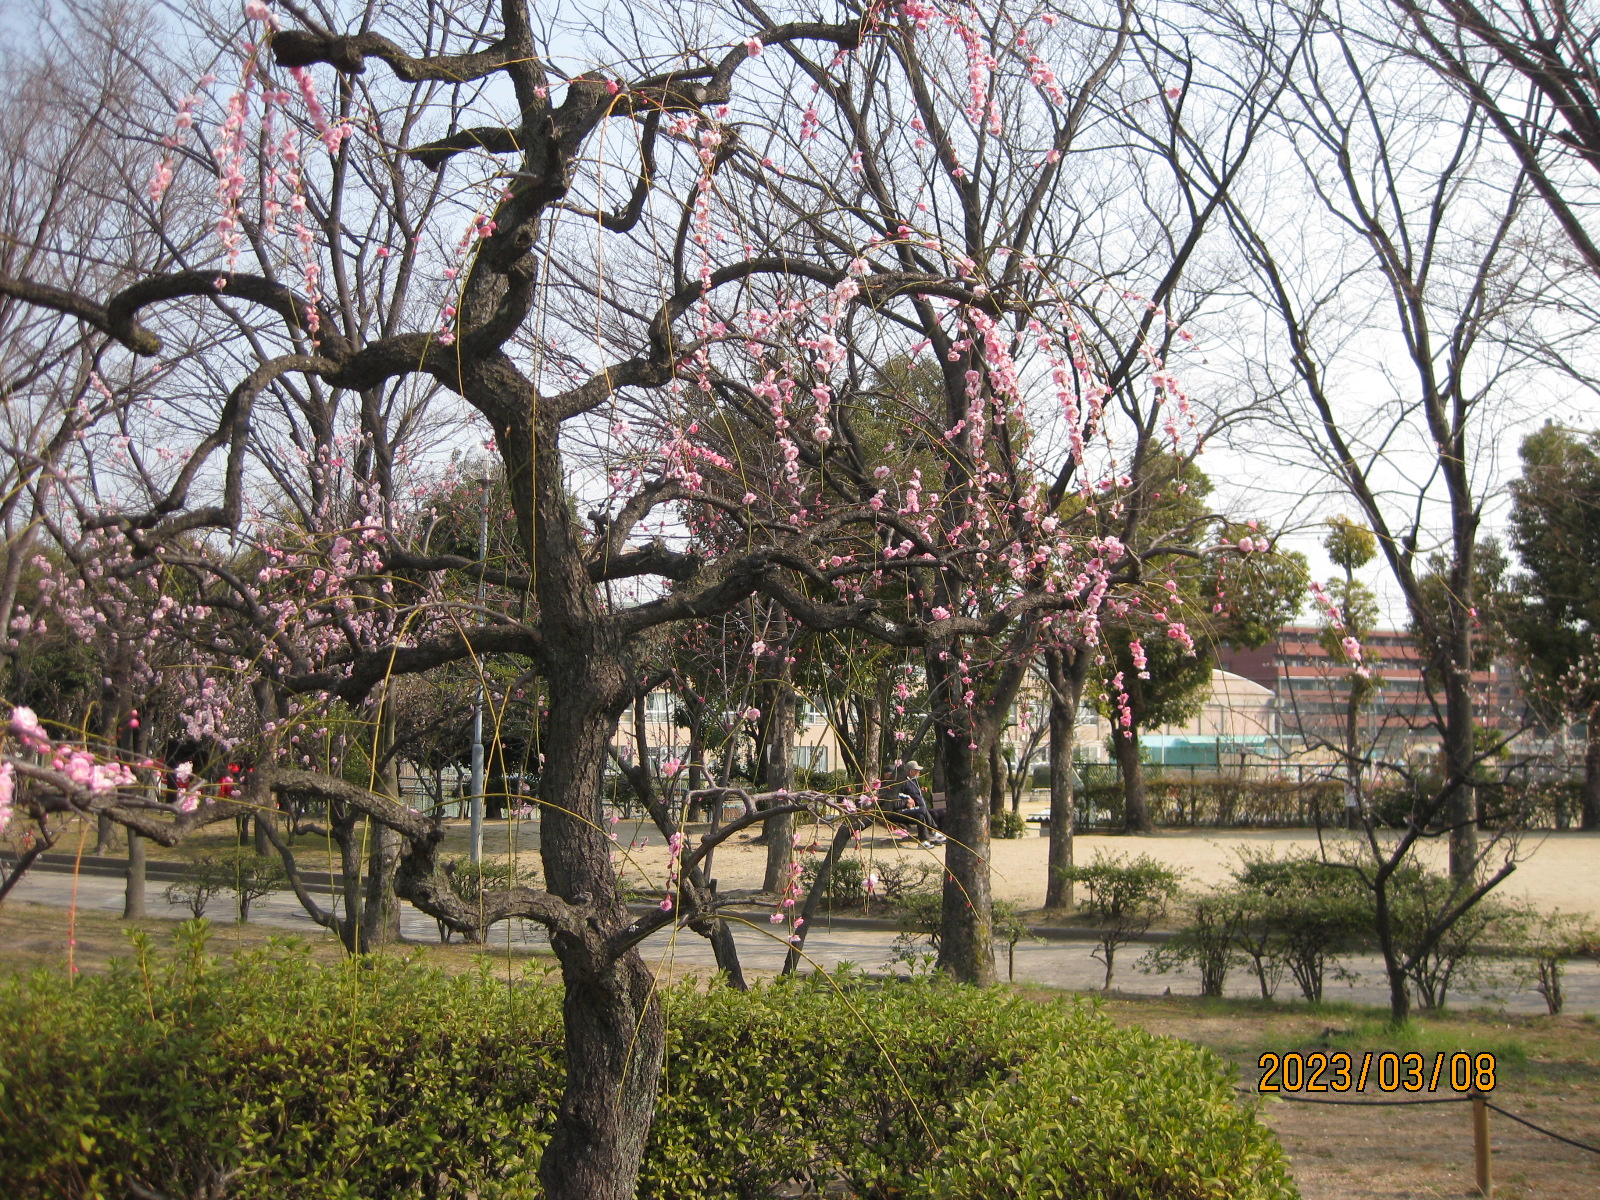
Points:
x=1386, y=1071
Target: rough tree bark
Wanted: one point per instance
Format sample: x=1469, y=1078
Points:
x=966, y=926
x=1136, y=811
x=380, y=910
x=1066, y=671
x=777, y=765
x=997, y=780
x=614, y=1031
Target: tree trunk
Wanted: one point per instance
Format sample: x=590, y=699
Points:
x=104, y=834
x=887, y=748
x=1066, y=690
x=725, y=953
x=1460, y=746
x=380, y=909
x=869, y=760
x=1399, y=996
x=1352, y=758
x=697, y=754
x=614, y=1029
x=344, y=835
x=779, y=776
x=1590, y=812
x=133, y=896
x=263, y=845
x=1136, y=810
x=997, y=780
x=1460, y=749
x=614, y=1036
x=966, y=940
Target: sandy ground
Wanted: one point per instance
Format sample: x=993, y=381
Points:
x=1555, y=870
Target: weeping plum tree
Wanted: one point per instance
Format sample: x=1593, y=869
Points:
x=617, y=275
x=1033, y=166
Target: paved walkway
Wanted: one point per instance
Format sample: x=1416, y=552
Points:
x=1056, y=964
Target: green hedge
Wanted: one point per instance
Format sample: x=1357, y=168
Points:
x=385, y=1078
x=1177, y=801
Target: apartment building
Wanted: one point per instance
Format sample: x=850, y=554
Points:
x=1312, y=690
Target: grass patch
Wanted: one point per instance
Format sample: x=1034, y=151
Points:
x=1531, y=1050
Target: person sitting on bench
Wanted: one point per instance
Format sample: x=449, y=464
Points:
x=905, y=805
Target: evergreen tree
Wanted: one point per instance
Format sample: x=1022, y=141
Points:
x=1552, y=626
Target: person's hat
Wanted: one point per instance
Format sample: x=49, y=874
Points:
x=913, y=767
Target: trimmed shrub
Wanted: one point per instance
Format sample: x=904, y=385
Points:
x=238, y=870
x=1463, y=956
x=846, y=883
x=1006, y=824
x=382, y=1077
x=1303, y=913
x=1126, y=896
x=1206, y=942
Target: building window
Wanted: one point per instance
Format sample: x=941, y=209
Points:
x=811, y=758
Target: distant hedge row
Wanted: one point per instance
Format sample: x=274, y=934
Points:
x=383, y=1078
x=1219, y=802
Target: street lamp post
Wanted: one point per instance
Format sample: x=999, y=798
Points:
x=475, y=851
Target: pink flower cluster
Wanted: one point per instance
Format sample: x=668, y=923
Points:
x=674, y=862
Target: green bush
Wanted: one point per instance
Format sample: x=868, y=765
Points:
x=1205, y=942
x=846, y=882
x=894, y=883
x=1461, y=957
x=1126, y=896
x=238, y=870
x=1006, y=824
x=383, y=1078
x=1300, y=913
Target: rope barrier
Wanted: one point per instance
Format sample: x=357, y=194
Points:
x=1549, y=1133
x=1540, y=1129
x=1373, y=1103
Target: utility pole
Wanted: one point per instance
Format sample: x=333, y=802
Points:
x=475, y=852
